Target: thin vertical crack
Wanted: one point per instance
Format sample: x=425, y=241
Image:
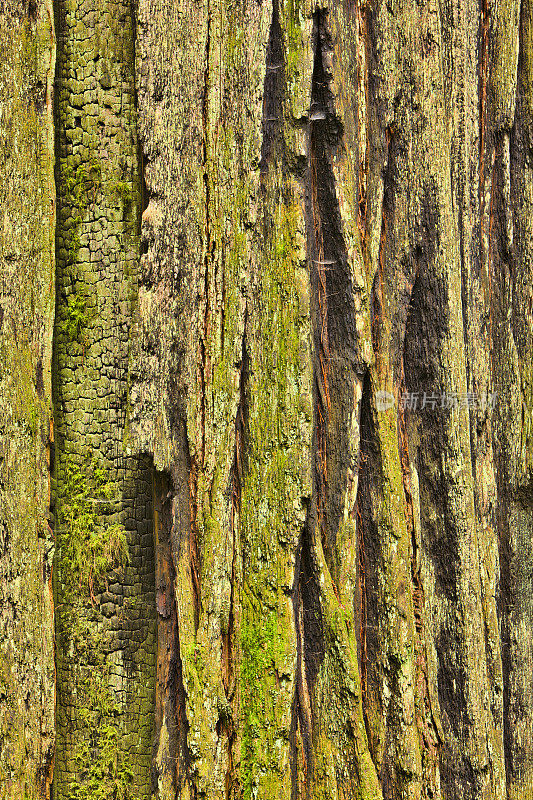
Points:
x=208, y=244
x=226, y=725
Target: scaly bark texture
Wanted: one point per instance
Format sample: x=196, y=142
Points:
x=27, y=201
x=293, y=400
x=104, y=563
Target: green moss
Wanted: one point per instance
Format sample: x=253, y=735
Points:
x=76, y=319
x=272, y=514
x=263, y=647
x=105, y=616
x=103, y=771
x=123, y=191
x=81, y=186
x=89, y=547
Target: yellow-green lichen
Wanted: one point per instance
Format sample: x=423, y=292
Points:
x=272, y=513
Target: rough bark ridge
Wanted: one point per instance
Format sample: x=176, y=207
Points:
x=27, y=201
x=293, y=400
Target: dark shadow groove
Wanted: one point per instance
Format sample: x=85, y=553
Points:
x=309, y=636
x=334, y=340
x=170, y=693
x=427, y=326
x=274, y=93
x=367, y=607
x=333, y=308
x=226, y=724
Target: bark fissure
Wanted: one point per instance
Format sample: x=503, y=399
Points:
x=169, y=711
x=334, y=324
x=367, y=609
x=310, y=647
x=274, y=94
x=193, y=537
x=427, y=720
x=227, y=723
x=320, y=579
x=208, y=243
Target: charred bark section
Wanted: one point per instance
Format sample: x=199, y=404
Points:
x=105, y=612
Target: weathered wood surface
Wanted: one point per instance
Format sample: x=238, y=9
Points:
x=27, y=203
x=317, y=216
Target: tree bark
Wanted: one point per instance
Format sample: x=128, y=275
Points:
x=292, y=490
x=27, y=201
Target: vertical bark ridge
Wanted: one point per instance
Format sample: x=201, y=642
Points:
x=426, y=713
x=27, y=201
x=207, y=244
x=367, y=608
x=201, y=361
x=476, y=213
x=337, y=759
x=230, y=654
x=171, y=757
x=394, y=736
x=194, y=552
x=278, y=441
x=512, y=346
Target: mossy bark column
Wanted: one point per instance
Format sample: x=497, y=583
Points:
x=105, y=606
x=27, y=210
